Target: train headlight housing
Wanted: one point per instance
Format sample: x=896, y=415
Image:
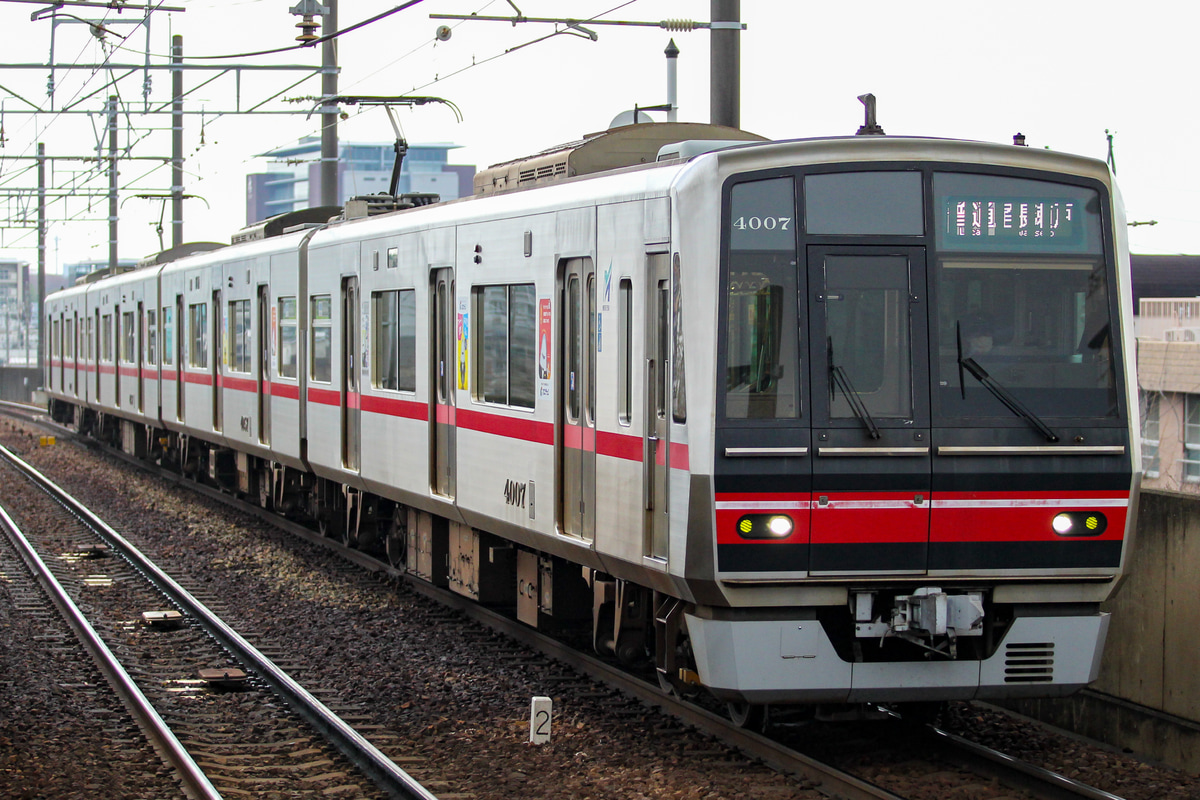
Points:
x=765, y=526
x=1079, y=523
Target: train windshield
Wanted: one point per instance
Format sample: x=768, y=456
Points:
x=1022, y=299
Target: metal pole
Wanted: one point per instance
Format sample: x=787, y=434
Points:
x=177, y=143
x=329, y=112
x=672, y=53
x=725, y=71
x=41, y=248
x=112, y=183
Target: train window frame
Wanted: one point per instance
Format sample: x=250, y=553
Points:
x=240, y=336
x=106, y=338
x=511, y=383
x=1116, y=414
x=388, y=334
x=320, y=344
x=287, y=358
x=151, y=337
x=782, y=237
x=625, y=340
x=198, y=335
x=128, y=349
x=167, y=318
x=678, y=372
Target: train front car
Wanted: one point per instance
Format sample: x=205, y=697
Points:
x=923, y=465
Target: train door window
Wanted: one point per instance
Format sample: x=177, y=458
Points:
x=625, y=351
x=106, y=338
x=1150, y=428
x=198, y=341
x=90, y=350
x=151, y=338
x=168, y=335
x=761, y=358
x=867, y=325
x=68, y=339
x=590, y=357
x=506, y=359
x=678, y=380
x=288, y=345
x=574, y=348
x=321, y=345
x=56, y=339
x=239, y=333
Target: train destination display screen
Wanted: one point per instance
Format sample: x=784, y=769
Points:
x=994, y=213
x=1009, y=219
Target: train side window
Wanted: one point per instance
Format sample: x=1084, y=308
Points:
x=168, y=335
x=321, y=346
x=239, y=333
x=288, y=348
x=625, y=351
x=106, y=338
x=505, y=366
x=69, y=339
x=395, y=340
x=198, y=327
x=128, y=337
x=864, y=203
x=90, y=350
x=151, y=338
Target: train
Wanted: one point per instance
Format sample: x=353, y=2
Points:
x=823, y=423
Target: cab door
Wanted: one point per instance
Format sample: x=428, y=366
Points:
x=869, y=371
x=265, y=335
x=656, y=432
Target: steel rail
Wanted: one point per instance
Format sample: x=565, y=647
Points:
x=161, y=737
x=1013, y=772
x=381, y=769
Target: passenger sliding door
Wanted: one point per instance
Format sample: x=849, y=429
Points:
x=441, y=412
x=350, y=368
x=870, y=377
x=577, y=372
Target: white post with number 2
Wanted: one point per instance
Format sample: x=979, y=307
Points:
x=539, y=720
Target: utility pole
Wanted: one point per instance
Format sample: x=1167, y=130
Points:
x=329, y=110
x=112, y=183
x=41, y=248
x=177, y=143
x=725, y=80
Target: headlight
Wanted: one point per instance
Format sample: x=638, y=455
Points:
x=1079, y=523
x=765, y=526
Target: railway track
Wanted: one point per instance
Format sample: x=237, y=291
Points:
x=812, y=773
x=219, y=726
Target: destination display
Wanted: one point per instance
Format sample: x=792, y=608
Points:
x=1010, y=220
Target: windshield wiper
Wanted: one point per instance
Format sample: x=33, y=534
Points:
x=999, y=392
x=842, y=381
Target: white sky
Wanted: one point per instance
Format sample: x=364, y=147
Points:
x=1060, y=71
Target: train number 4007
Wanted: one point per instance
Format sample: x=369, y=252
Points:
x=763, y=223
x=514, y=493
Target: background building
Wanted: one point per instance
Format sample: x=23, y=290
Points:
x=1166, y=292
x=294, y=175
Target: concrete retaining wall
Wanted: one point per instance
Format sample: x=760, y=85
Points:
x=1148, y=696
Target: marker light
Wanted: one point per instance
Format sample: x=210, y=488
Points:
x=1079, y=523
x=765, y=526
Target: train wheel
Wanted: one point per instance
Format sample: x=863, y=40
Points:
x=751, y=716
x=396, y=542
